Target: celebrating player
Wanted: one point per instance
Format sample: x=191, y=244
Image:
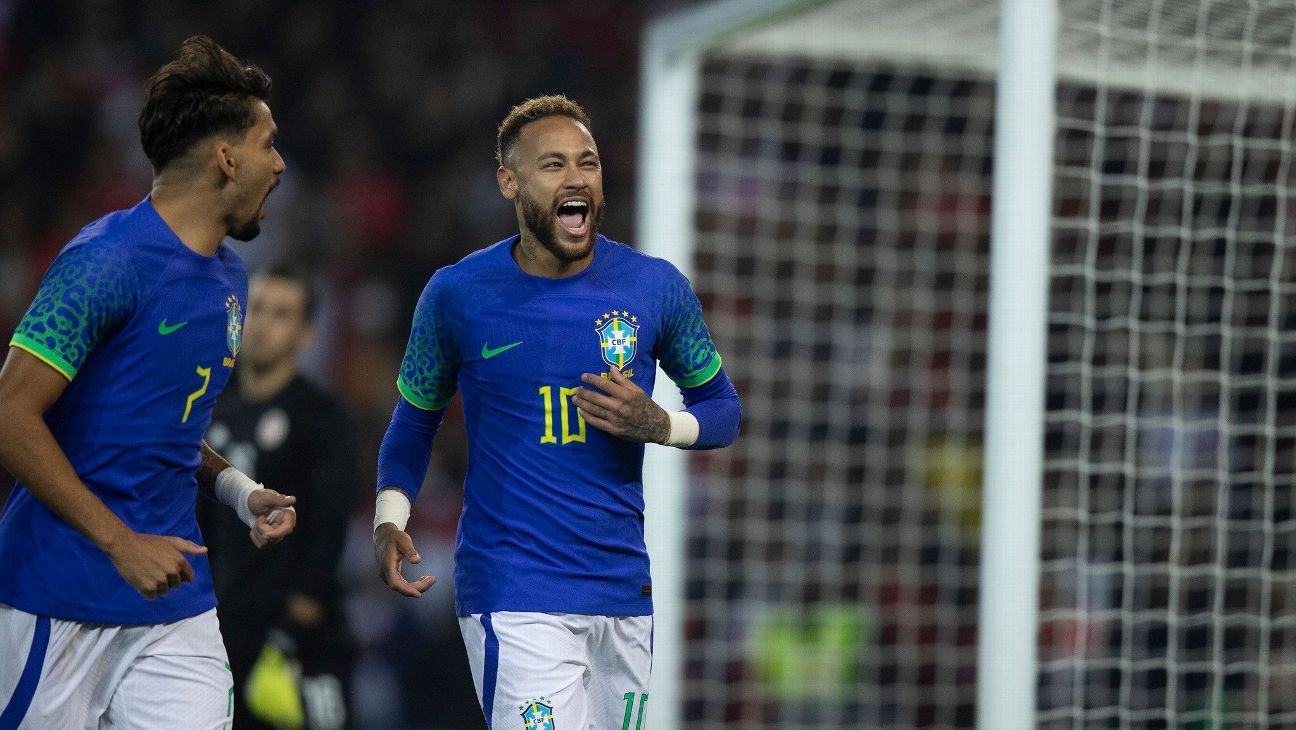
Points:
x=275, y=424
x=107, y=615
x=553, y=337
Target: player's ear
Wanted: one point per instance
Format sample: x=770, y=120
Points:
x=224, y=153
x=508, y=184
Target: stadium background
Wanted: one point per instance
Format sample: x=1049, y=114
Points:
x=387, y=114
x=833, y=552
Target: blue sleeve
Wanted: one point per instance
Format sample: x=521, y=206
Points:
x=718, y=410
x=685, y=351
x=429, y=372
x=407, y=447
x=88, y=291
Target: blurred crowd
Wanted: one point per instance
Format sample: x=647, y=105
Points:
x=833, y=551
x=387, y=114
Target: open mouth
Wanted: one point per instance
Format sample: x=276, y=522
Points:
x=267, y=197
x=573, y=216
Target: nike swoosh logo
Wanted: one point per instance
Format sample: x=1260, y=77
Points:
x=166, y=329
x=488, y=352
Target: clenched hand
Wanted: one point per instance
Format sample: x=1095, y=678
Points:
x=154, y=564
x=275, y=517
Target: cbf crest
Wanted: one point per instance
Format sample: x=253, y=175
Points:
x=618, y=337
x=233, y=328
x=537, y=714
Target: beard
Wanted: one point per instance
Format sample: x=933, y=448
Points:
x=542, y=222
x=243, y=230
x=247, y=231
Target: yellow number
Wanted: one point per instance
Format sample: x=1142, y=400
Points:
x=547, y=393
x=568, y=436
x=564, y=395
x=206, y=376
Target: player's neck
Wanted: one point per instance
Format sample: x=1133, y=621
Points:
x=189, y=215
x=533, y=258
x=262, y=384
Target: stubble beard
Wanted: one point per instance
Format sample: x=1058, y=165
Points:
x=541, y=222
x=247, y=231
x=243, y=230
x=250, y=228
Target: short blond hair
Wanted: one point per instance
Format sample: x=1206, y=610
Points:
x=531, y=110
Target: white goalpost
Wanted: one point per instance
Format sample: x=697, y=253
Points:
x=825, y=565
x=669, y=87
x=1014, y=427
x=1009, y=291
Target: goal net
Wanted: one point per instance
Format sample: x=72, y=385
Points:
x=840, y=186
x=1167, y=583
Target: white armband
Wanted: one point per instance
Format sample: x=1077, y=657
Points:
x=683, y=429
x=232, y=490
x=391, y=506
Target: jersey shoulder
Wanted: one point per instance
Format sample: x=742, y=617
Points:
x=105, y=242
x=477, y=276
x=623, y=259
x=94, y=264
x=492, y=260
x=139, y=238
x=103, y=261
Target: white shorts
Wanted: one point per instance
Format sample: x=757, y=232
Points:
x=541, y=671
x=69, y=674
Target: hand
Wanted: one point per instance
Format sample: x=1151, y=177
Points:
x=621, y=408
x=154, y=564
x=391, y=546
x=275, y=517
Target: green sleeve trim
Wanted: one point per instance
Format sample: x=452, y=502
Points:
x=701, y=376
x=424, y=403
x=44, y=354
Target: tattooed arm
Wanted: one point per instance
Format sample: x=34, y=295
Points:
x=617, y=406
x=267, y=512
x=209, y=467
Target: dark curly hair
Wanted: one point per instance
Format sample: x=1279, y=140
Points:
x=203, y=91
x=529, y=111
x=298, y=274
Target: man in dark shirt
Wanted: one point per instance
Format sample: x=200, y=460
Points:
x=280, y=428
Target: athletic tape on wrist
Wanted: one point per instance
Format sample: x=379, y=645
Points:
x=391, y=506
x=232, y=490
x=683, y=429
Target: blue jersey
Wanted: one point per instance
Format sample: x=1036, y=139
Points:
x=553, y=509
x=146, y=331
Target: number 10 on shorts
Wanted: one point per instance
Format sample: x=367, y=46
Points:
x=630, y=711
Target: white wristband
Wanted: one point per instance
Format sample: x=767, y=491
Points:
x=232, y=490
x=683, y=429
x=391, y=506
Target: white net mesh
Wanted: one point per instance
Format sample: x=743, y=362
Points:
x=843, y=237
x=843, y=224
x=1168, y=530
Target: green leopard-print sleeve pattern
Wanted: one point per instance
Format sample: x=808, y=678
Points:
x=89, y=290
x=687, y=353
x=429, y=372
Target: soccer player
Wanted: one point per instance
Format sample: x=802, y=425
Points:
x=553, y=337
x=107, y=615
x=277, y=426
